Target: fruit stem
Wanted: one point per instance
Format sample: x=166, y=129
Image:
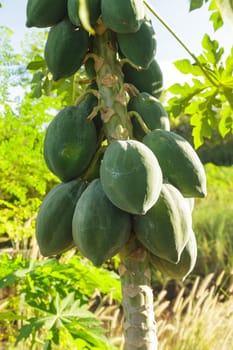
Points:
x=180, y=41
x=140, y=120
x=139, y=323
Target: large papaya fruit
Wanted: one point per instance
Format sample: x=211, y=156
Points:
x=145, y=80
x=65, y=49
x=139, y=47
x=45, y=13
x=123, y=16
x=70, y=143
x=164, y=229
x=179, y=162
x=131, y=176
x=151, y=111
x=54, y=219
x=186, y=263
x=100, y=230
x=93, y=7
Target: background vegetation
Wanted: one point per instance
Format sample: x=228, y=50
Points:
x=65, y=302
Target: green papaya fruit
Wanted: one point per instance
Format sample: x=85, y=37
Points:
x=54, y=219
x=70, y=143
x=93, y=7
x=139, y=47
x=185, y=265
x=45, y=13
x=131, y=176
x=123, y=16
x=100, y=230
x=151, y=111
x=65, y=49
x=145, y=80
x=179, y=162
x=164, y=229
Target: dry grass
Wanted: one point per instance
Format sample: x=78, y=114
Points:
x=199, y=320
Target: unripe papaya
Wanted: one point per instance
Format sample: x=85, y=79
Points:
x=45, y=13
x=54, y=219
x=93, y=7
x=145, y=80
x=164, y=229
x=123, y=16
x=65, y=49
x=131, y=176
x=70, y=142
x=186, y=263
x=179, y=162
x=151, y=111
x=139, y=47
x=100, y=230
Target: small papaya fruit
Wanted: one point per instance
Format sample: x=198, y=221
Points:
x=100, y=230
x=54, y=219
x=45, y=13
x=179, y=162
x=151, y=111
x=139, y=47
x=123, y=16
x=145, y=80
x=185, y=265
x=65, y=49
x=164, y=229
x=131, y=176
x=70, y=143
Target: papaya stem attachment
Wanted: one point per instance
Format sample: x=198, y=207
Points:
x=180, y=41
x=93, y=168
x=87, y=92
x=140, y=120
x=126, y=60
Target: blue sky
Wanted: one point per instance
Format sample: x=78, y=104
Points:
x=189, y=26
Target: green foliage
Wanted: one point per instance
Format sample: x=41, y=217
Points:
x=216, y=15
x=208, y=100
x=212, y=222
x=56, y=296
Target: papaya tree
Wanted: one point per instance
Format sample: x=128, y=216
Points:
x=127, y=183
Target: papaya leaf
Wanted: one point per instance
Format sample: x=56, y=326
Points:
x=226, y=122
x=216, y=19
x=212, y=51
x=228, y=71
x=186, y=67
x=33, y=324
x=195, y=4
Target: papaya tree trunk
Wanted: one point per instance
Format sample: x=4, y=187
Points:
x=137, y=296
x=139, y=323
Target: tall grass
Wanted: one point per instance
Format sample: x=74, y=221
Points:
x=213, y=222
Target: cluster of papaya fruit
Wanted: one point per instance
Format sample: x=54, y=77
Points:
x=142, y=185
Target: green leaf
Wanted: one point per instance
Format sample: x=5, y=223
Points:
x=11, y=316
x=195, y=4
x=226, y=122
x=38, y=64
x=212, y=51
x=186, y=67
x=27, y=330
x=217, y=20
